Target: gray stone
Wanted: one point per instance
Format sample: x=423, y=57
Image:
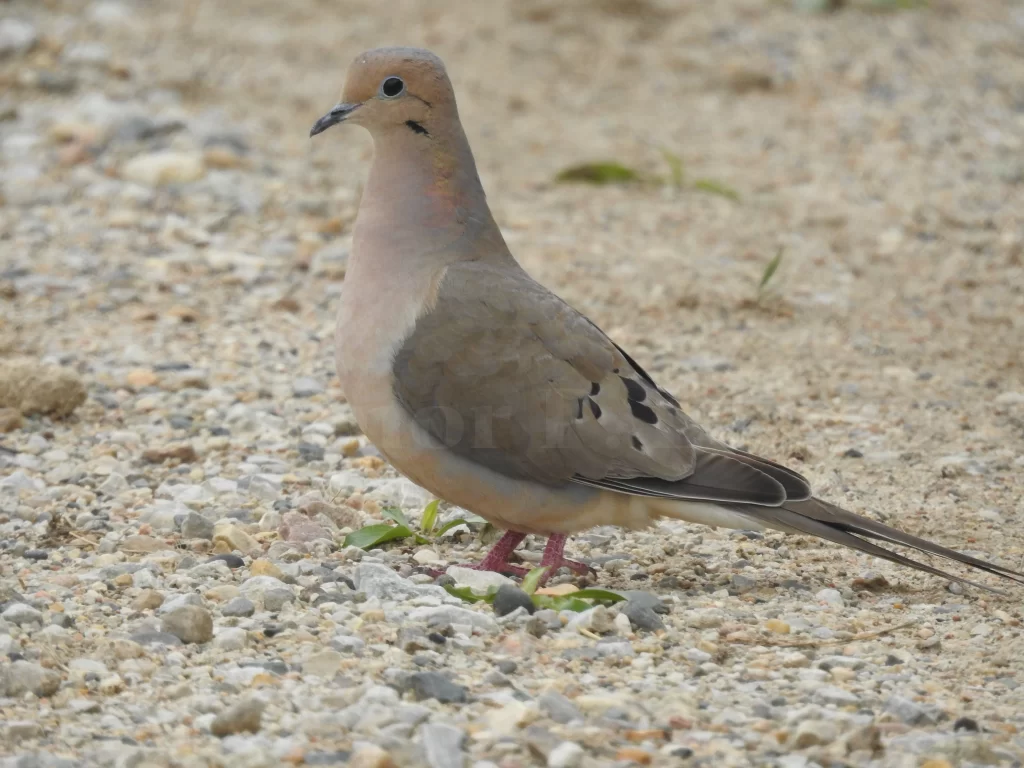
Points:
x=645, y=600
x=347, y=644
x=442, y=745
x=558, y=708
x=180, y=601
x=433, y=685
x=195, y=526
x=412, y=640
x=567, y=754
x=239, y=607
x=453, y=614
x=190, y=624
x=16, y=37
x=276, y=599
x=813, y=733
x=232, y=639
x=311, y=451
x=306, y=387
x=23, y=677
x=155, y=638
x=22, y=614
x=831, y=694
x=256, y=588
x=912, y=713
x=509, y=597
x=22, y=730
x=245, y=716
x=375, y=580
x=641, y=616
x=743, y=583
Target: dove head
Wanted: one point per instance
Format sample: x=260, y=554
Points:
x=423, y=192
x=394, y=90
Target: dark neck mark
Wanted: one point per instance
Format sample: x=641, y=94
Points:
x=416, y=127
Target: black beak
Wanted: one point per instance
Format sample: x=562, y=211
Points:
x=335, y=116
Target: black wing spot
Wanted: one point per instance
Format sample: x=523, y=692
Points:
x=417, y=128
x=579, y=408
x=637, y=444
x=594, y=408
x=643, y=413
x=634, y=390
x=595, y=388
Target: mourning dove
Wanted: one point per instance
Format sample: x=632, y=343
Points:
x=485, y=388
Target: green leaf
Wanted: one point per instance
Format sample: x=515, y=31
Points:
x=562, y=603
x=449, y=525
x=374, y=535
x=396, y=514
x=675, y=166
x=599, y=173
x=713, y=187
x=770, y=270
x=532, y=580
x=599, y=595
x=468, y=595
x=429, y=518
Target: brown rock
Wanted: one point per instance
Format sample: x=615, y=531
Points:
x=243, y=717
x=371, y=756
x=139, y=543
x=31, y=387
x=190, y=624
x=298, y=528
x=186, y=454
x=343, y=517
x=10, y=419
x=141, y=378
x=148, y=600
x=263, y=567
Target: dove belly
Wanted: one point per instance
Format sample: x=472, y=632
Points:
x=510, y=502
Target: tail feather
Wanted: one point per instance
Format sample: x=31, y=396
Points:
x=827, y=521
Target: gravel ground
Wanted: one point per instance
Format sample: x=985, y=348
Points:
x=173, y=586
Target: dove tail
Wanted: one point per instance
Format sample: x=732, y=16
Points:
x=827, y=521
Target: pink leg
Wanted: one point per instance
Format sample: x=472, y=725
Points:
x=554, y=559
x=497, y=558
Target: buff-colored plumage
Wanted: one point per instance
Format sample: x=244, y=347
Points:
x=488, y=390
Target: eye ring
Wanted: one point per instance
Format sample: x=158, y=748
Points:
x=392, y=87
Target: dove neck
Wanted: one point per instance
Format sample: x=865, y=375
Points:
x=423, y=197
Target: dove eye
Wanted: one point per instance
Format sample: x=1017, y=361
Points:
x=392, y=87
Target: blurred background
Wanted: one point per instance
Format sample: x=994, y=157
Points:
x=788, y=206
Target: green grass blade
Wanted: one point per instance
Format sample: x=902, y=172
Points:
x=562, y=602
x=449, y=525
x=429, y=519
x=599, y=173
x=532, y=580
x=467, y=594
x=770, y=270
x=713, y=187
x=600, y=595
x=396, y=514
x=374, y=535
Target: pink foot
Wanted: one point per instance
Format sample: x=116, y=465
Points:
x=553, y=558
x=497, y=559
